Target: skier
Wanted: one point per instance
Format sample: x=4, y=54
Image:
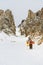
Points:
x=30, y=43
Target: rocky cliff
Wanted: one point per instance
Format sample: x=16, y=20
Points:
x=33, y=24
x=7, y=23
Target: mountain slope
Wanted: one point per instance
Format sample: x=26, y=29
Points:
x=13, y=51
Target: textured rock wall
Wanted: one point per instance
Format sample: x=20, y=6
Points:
x=33, y=24
x=7, y=23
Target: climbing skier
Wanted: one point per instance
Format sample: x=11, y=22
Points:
x=30, y=43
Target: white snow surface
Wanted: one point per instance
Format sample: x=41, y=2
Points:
x=13, y=51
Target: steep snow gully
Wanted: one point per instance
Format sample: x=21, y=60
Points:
x=13, y=51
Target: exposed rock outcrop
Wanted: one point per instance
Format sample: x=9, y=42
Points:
x=33, y=24
x=31, y=15
x=7, y=23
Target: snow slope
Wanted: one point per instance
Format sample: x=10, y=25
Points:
x=13, y=51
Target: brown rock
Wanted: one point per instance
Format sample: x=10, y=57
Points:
x=33, y=24
x=31, y=15
x=7, y=23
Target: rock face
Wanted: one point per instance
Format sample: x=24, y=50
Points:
x=7, y=23
x=31, y=15
x=33, y=24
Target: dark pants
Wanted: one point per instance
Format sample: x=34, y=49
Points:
x=30, y=46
